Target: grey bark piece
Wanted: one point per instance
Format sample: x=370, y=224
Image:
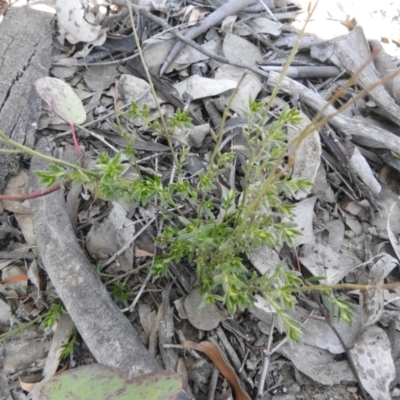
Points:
x=351, y=127
x=368, y=76
x=166, y=333
x=25, y=50
x=107, y=332
x=385, y=65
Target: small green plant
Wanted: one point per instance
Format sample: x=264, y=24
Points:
x=54, y=314
x=48, y=319
x=214, y=238
x=51, y=317
x=67, y=349
x=121, y=293
x=214, y=235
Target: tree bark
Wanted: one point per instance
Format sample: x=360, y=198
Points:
x=25, y=56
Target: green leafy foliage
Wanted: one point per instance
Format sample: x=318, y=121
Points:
x=60, y=174
x=216, y=237
x=121, y=293
x=54, y=314
x=67, y=349
x=49, y=319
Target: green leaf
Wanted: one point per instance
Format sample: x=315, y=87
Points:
x=395, y=155
x=54, y=314
x=100, y=382
x=46, y=178
x=316, y=278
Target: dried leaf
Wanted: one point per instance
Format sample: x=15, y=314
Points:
x=355, y=208
x=307, y=156
x=264, y=259
x=27, y=386
x=318, y=364
x=198, y=87
x=5, y=312
x=393, y=240
x=15, y=278
x=17, y=186
x=240, y=50
x=216, y=356
x=373, y=359
x=303, y=218
x=142, y=253
x=108, y=237
x=322, y=260
x=70, y=16
x=206, y=317
x=372, y=298
x=319, y=334
x=250, y=87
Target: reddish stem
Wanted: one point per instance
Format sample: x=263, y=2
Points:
x=76, y=144
x=33, y=195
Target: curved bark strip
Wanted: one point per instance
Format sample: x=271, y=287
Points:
x=108, y=333
x=357, y=130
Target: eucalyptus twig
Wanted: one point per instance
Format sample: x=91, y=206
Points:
x=139, y=294
x=212, y=386
x=266, y=359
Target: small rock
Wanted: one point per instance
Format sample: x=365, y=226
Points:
x=295, y=388
x=396, y=392
x=284, y=397
x=319, y=396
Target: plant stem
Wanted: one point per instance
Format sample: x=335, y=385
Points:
x=10, y=151
x=153, y=92
x=349, y=286
x=75, y=140
x=33, y=195
x=27, y=150
x=211, y=173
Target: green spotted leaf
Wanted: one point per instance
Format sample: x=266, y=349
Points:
x=101, y=382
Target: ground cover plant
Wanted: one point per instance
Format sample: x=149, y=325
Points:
x=213, y=236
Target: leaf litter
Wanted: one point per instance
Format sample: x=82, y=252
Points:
x=349, y=227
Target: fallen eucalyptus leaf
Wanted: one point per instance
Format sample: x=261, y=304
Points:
x=61, y=99
x=70, y=16
x=205, y=317
x=100, y=382
x=215, y=355
x=373, y=359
